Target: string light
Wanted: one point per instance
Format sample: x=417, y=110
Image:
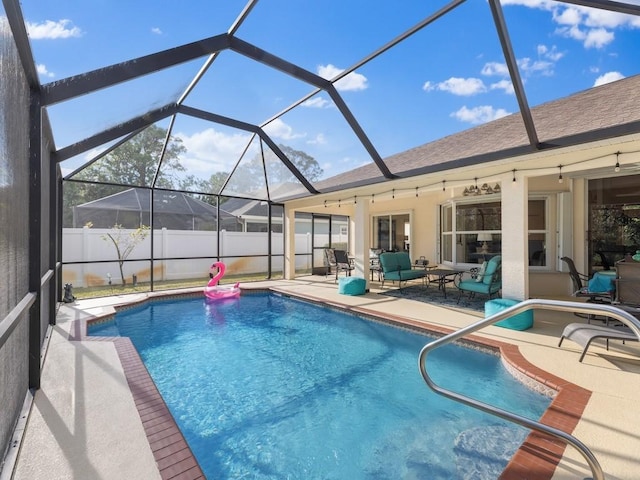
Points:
x=475, y=190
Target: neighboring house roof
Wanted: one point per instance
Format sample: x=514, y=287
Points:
x=601, y=112
x=139, y=199
x=171, y=209
x=242, y=207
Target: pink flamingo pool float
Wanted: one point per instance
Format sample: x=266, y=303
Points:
x=213, y=291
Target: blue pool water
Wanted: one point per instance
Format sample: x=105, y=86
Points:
x=267, y=387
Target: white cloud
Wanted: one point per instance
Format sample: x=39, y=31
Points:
x=530, y=67
x=317, y=102
x=351, y=82
x=211, y=148
x=551, y=54
x=481, y=114
x=279, y=129
x=543, y=66
x=504, y=85
x=598, y=38
x=318, y=140
x=458, y=86
x=52, y=30
x=591, y=26
x=42, y=70
x=156, y=30
x=495, y=68
x=608, y=78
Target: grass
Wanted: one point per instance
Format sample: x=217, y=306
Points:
x=108, y=290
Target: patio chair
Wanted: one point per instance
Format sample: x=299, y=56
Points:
x=581, y=290
x=330, y=260
x=487, y=280
x=584, y=334
x=343, y=264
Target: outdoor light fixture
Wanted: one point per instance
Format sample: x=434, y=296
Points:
x=485, y=189
x=484, y=238
x=443, y=187
x=617, y=167
x=514, y=176
x=560, y=179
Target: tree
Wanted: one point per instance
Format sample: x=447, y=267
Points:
x=213, y=186
x=249, y=177
x=125, y=243
x=133, y=163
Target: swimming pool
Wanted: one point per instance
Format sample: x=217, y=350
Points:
x=268, y=387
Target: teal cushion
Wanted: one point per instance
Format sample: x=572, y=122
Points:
x=478, y=287
x=352, y=286
x=521, y=321
x=388, y=262
x=492, y=266
x=404, y=260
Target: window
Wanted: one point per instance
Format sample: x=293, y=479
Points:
x=614, y=220
x=471, y=232
x=538, y=234
x=389, y=232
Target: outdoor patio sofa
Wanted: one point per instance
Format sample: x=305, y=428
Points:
x=396, y=266
x=488, y=279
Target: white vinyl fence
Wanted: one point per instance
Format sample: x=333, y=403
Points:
x=92, y=245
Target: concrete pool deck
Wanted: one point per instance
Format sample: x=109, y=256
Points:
x=84, y=422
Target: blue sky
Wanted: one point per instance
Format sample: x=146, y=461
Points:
x=448, y=77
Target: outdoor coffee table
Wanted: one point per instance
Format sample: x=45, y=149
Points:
x=443, y=276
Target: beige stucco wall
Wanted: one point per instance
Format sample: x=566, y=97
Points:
x=566, y=214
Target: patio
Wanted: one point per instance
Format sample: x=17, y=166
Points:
x=553, y=172
x=100, y=434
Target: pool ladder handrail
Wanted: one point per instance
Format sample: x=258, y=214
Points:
x=541, y=304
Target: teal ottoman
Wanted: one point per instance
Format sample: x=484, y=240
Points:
x=352, y=286
x=521, y=321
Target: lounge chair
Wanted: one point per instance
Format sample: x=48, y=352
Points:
x=583, y=334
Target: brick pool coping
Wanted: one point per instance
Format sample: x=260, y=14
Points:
x=536, y=459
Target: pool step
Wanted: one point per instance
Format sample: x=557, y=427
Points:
x=483, y=452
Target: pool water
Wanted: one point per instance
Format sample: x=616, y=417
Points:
x=268, y=387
